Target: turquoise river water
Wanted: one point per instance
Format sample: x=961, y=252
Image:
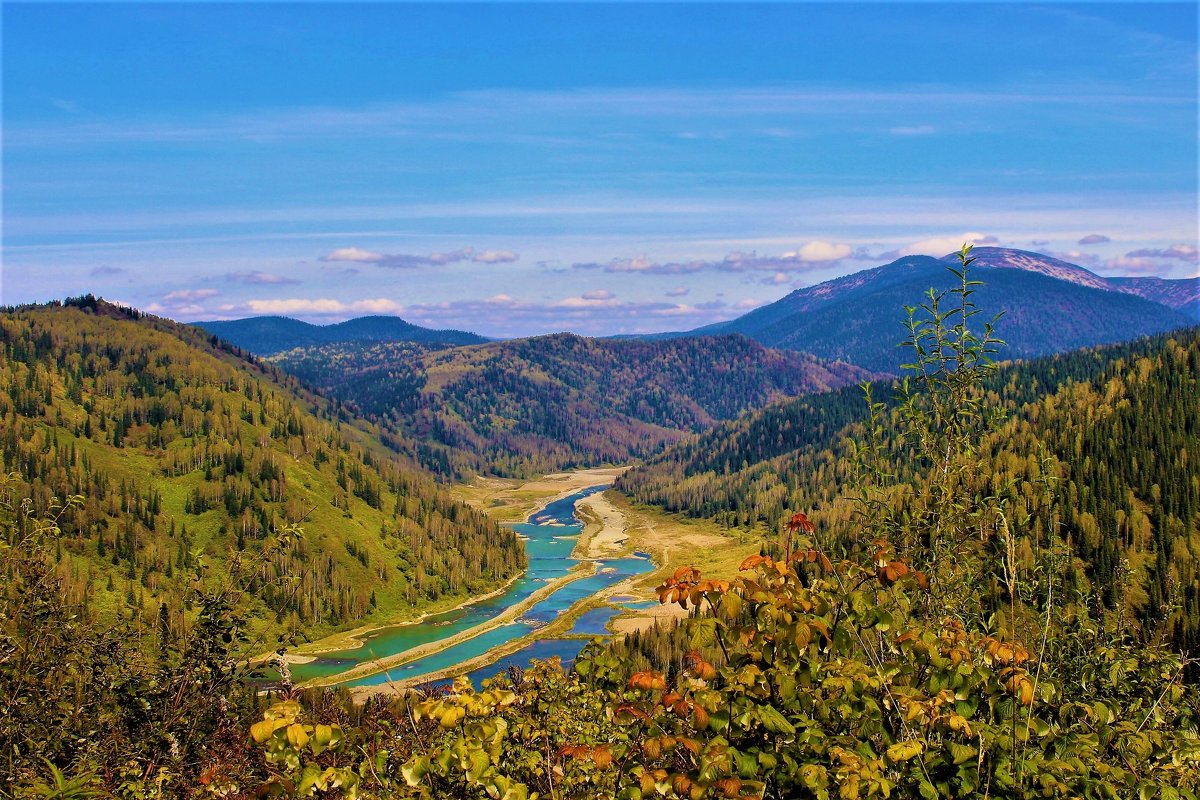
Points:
x=549, y=536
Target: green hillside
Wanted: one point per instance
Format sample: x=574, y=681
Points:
x=1099, y=447
x=184, y=452
x=554, y=402
x=958, y=637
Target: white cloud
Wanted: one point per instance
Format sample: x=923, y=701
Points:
x=588, y=302
x=678, y=291
x=598, y=294
x=495, y=257
x=409, y=260
x=324, y=306
x=677, y=310
x=822, y=251
x=643, y=264
x=940, y=246
x=353, y=254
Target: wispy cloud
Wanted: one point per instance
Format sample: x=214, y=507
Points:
x=105, y=271
x=810, y=256
x=599, y=314
x=258, y=278
x=189, y=295
x=494, y=257
x=410, y=261
x=470, y=115
x=1183, y=252
x=913, y=130
x=646, y=265
x=1136, y=265
x=1075, y=257
x=322, y=306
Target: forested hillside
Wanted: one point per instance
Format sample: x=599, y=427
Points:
x=553, y=402
x=1100, y=447
x=956, y=639
x=185, y=453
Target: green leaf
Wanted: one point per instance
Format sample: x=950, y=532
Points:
x=961, y=753
x=704, y=632
x=773, y=721
x=415, y=770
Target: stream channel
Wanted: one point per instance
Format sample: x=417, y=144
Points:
x=550, y=535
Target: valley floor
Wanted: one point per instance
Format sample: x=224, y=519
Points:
x=612, y=527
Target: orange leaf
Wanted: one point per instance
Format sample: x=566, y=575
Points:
x=687, y=573
x=728, y=787
x=601, y=756
x=653, y=748
x=750, y=562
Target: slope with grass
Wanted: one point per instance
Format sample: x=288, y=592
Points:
x=187, y=455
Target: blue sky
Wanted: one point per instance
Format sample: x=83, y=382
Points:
x=520, y=169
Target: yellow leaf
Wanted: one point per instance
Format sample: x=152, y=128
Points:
x=903, y=751
x=261, y=731
x=297, y=736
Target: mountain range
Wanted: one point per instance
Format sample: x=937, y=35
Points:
x=547, y=403
x=1048, y=305
x=268, y=335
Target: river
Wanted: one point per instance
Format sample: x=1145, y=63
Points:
x=550, y=536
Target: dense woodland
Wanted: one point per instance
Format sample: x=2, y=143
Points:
x=184, y=452
x=531, y=406
x=1099, y=447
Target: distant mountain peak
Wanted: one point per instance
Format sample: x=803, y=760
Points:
x=1011, y=258
x=1049, y=306
x=269, y=335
